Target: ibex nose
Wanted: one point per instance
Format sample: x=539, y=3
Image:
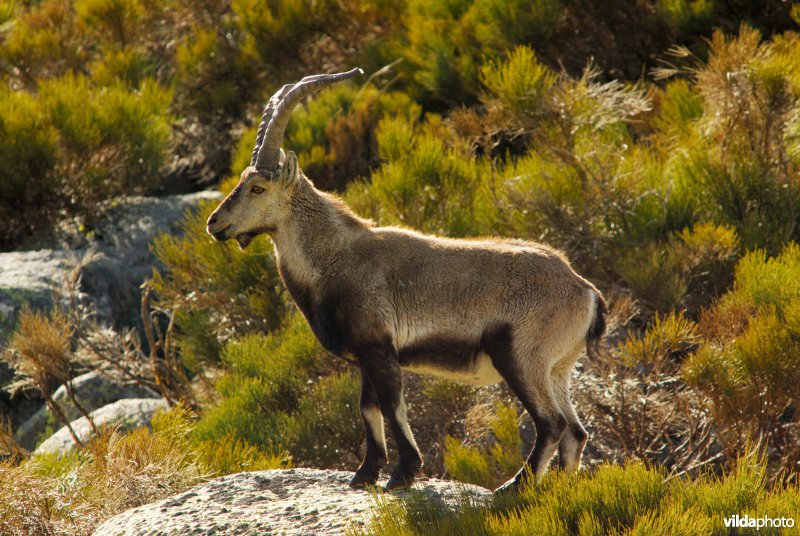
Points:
x=212, y=227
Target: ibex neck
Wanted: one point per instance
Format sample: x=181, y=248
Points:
x=319, y=227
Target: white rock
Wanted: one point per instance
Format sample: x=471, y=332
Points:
x=128, y=414
x=285, y=501
x=93, y=391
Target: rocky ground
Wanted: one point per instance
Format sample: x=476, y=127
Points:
x=119, y=260
x=280, y=502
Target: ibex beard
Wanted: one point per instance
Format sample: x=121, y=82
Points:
x=389, y=299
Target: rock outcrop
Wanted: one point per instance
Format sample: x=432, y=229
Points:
x=286, y=502
x=93, y=391
x=111, y=281
x=127, y=414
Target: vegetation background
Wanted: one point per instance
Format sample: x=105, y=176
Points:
x=657, y=142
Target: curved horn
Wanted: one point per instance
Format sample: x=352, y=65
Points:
x=268, y=153
x=269, y=109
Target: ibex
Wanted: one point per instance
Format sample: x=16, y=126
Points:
x=391, y=299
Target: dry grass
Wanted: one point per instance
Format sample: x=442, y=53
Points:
x=48, y=494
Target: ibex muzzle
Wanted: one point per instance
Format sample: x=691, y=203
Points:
x=475, y=311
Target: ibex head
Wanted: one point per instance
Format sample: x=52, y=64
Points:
x=260, y=202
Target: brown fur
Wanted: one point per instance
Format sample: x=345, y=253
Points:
x=471, y=310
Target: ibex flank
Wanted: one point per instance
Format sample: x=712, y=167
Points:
x=392, y=299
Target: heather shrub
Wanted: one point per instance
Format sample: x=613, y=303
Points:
x=448, y=41
x=28, y=153
x=50, y=494
x=282, y=393
x=44, y=42
x=74, y=145
x=491, y=464
x=738, y=169
x=630, y=499
x=335, y=136
x=747, y=364
x=424, y=181
x=637, y=407
x=688, y=16
x=265, y=380
x=679, y=107
x=326, y=430
x=216, y=78
x=581, y=181
x=687, y=270
x=217, y=291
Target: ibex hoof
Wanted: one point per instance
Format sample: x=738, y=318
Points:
x=401, y=479
x=364, y=478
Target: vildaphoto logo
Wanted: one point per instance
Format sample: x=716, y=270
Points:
x=746, y=521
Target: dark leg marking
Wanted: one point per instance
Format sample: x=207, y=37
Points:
x=535, y=393
x=570, y=448
x=375, y=454
x=381, y=365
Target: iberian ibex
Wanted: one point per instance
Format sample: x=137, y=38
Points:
x=475, y=311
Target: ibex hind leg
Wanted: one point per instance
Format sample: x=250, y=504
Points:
x=570, y=448
x=536, y=393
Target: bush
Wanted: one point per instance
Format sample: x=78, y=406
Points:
x=635, y=406
x=493, y=464
x=265, y=378
x=217, y=291
x=687, y=271
x=632, y=499
x=746, y=366
x=75, y=145
x=49, y=494
x=448, y=41
x=424, y=181
x=334, y=136
x=326, y=430
x=737, y=168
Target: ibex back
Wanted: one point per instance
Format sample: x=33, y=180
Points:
x=475, y=311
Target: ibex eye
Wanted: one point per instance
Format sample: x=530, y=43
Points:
x=257, y=190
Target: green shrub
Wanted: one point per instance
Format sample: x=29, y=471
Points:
x=424, y=182
x=679, y=107
x=124, y=134
x=448, y=41
x=689, y=269
x=492, y=465
x=44, y=42
x=736, y=168
x=49, y=494
x=28, y=154
x=74, y=145
x=217, y=291
x=334, y=136
x=631, y=499
x=746, y=367
x=264, y=381
x=326, y=429
x=688, y=15
x=115, y=21
x=216, y=78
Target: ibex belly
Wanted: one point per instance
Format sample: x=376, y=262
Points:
x=481, y=373
x=449, y=358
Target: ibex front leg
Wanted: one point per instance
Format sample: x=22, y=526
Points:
x=375, y=453
x=381, y=365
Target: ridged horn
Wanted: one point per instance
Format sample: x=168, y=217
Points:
x=269, y=109
x=267, y=153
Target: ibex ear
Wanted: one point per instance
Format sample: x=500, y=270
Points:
x=289, y=170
